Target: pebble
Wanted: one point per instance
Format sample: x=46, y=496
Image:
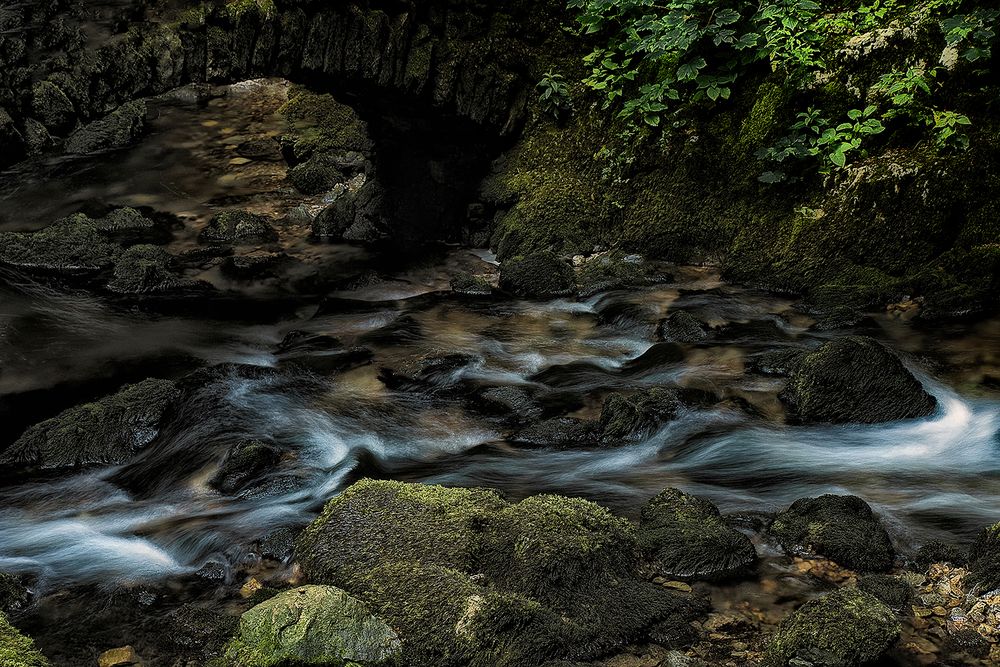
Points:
x=119, y=657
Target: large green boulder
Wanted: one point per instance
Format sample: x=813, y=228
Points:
x=71, y=246
x=470, y=579
x=108, y=430
x=854, y=380
x=312, y=625
x=16, y=650
x=683, y=536
x=539, y=275
x=841, y=528
x=847, y=628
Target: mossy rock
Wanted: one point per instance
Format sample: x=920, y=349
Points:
x=243, y=463
x=632, y=417
x=16, y=650
x=847, y=628
x=318, y=123
x=893, y=591
x=239, y=227
x=685, y=537
x=146, y=269
x=539, y=275
x=841, y=528
x=560, y=433
x=618, y=270
x=984, y=559
x=106, y=431
x=116, y=130
x=316, y=175
x=682, y=327
x=469, y=285
x=936, y=551
x=313, y=625
x=854, y=380
x=70, y=247
x=51, y=106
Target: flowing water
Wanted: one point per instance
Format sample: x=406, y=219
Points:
x=156, y=519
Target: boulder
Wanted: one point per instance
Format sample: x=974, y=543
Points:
x=854, y=380
x=470, y=285
x=16, y=650
x=841, y=528
x=146, y=269
x=682, y=327
x=333, y=221
x=51, y=106
x=560, y=433
x=238, y=227
x=847, y=628
x=470, y=579
x=539, y=275
x=116, y=130
x=106, y=431
x=72, y=246
x=891, y=590
x=685, y=537
x=936, y=551
x=312, y=625
x=243, y=463
x=316, y=175
x=984, y=559
x=631, y=417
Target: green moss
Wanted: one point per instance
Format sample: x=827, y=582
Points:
x=239, y=8
x=540, y=274
x=318, y=123
x=984, y=559
x=16, y=650
x=69, y=246
x=847, y=628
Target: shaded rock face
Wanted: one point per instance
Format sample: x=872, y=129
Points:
x=842, y=528
x=312, y=625
x=467, y=578
x=685, y=537
x=847, y=628
x=105, y=431
x=854, y=380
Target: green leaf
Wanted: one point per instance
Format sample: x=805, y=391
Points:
x=838, y=159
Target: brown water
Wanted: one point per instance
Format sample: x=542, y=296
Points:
x=154, y=522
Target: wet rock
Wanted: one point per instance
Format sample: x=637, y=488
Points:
x=146, y=269
x=470, y=285
x=513, y=402
x=655, y=358
x=560, y=433
x=50, y=105
x=124, y=220
x=36, y=138
x=106, y=431
x=119, y=657
x=253, y=265
x=854, y=380
x=631, y=417
x=939, y=552
x=430, y=371
x=72, y=246
x=841, y=528
x=776, y=363
x=267, y=150
x=984, y=559
x=243, y=463
x=893, y=591
x=682, y=327
x=118, y=129
x=198, y=630
x=469, y=579
x=627, y=316
x=16, y=650
x=333, y=221
x=616, y=270
x=966, y=643
x=685, y=537
x=312, y=625
x=278, y=544
x=239, y=227
x=847, y=628
x=539, y=275
x=316, y=175
x=14, y=595
x=404, y=330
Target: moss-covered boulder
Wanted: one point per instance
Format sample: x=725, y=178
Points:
x=243, y=463
x=238, y=227
x=685, y=537
x=317, y=174
x=847, y=628
x=841, y=528
x=984, y=559
x=51, y=106
x=682, y=327
x=312, y=625
x=539, y=275
x=332, y=222
x=146, y=269
x=893, y=591
x=106, y=431
x=16, y=650
x=116, y=130
x=631, y=417
x=469, y=579
x=936, y=551
x=71, y=246
x=854, y=380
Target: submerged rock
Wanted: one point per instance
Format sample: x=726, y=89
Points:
x=854, y=380
x=778, y=363
x=847, y=628
x=116, y=130
x=682, y=327
x=630, y=417
x=841, y=528
x=16, y=650
x=312, y=625
x=239, y=227
x=685, y=537
x=470, y=579
x=242, y=464
x=515, y=403
x=560, y=433
x=539, y=275
x=106, y=431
